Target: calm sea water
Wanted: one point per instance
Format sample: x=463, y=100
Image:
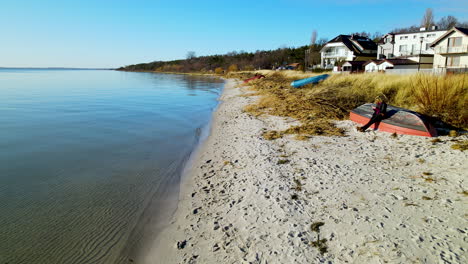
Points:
x=83, y=152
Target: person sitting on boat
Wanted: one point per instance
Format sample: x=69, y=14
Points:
x=380, y=110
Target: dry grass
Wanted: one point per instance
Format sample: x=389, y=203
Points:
x=462, y=146
x=315, y=106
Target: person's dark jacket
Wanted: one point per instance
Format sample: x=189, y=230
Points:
x=380, y=109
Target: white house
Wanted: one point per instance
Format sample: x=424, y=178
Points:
x=371, y=66
x=451, y=51
x=410, y=44
x=399, y=66
x=347, y=48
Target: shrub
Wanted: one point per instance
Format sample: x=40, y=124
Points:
x=249, y=68
x=233, y=68
x=219, y=70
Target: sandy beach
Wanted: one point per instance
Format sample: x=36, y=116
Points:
x=363, y=198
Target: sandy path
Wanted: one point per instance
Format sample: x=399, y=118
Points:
x=381, y=199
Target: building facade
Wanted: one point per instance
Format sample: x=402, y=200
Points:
x=347, y=48
x=411, y=44
x=451, y=51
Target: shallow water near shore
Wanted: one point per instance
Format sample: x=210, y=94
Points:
x=84, y=152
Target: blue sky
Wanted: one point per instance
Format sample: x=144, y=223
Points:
x=105, y=33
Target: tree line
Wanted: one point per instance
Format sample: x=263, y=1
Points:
x=233, y=61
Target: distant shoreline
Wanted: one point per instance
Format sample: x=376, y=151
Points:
x=53, y=68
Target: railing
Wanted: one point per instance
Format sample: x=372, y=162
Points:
x=413, y=53
x=334, y=54
x=450, y=69
x=452, y=50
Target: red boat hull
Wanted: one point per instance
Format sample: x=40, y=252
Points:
x=392, y=125
x=254, y=78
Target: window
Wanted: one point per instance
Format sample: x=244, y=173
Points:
x=403, y=37
x=430, y=35
x=428, y=46
x=402, y=48
x=453, y=61
x=413, y=48
x=455, y=42
x=414, y=36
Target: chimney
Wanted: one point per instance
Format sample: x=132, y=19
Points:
x=422, y=29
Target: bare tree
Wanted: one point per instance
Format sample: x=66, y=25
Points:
x=313, y=38
x=377, y=36
x=322, y=41
x=428, y=19
x=447, y=22
x=190, y=55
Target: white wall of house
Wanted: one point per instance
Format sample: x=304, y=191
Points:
x=371, y=67
x=384, y=65
x=453, y=56
x=407, y=44
x=410, y=43
x=407, y=71
x=385, y=48
x=334, y=52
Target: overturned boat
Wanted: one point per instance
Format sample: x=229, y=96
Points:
x=397, y=120
x=260, y=76
x=312, y=80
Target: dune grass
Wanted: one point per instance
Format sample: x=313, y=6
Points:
x=442, y=97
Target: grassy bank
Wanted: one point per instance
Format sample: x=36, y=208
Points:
x=441, y=97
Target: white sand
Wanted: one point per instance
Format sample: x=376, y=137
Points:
x=367, y=188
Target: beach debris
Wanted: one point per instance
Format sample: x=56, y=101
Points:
x=462, y=146
x=282, y=161
x=195, y=211
x=315, y=227
x=181, y=244
x=453, y=133
x=320, y=244
x=272, y=135
x=208, y=161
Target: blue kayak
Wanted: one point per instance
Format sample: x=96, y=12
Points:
x=313, y=80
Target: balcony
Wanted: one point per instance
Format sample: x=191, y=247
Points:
x=334, y=54
x=452, y=50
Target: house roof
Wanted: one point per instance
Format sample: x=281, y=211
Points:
x=372, y=61
x=449, y=32
x=416, y=31
x=356, y=63
x=393, y=62
x=399, y=61
x=355, y=43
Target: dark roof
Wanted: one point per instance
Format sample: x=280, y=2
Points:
x=364, y=42
x=357, y=63
x=399, y=61
x=393, y=61
x=375, y=61
x=463, y=30
x=450, y=31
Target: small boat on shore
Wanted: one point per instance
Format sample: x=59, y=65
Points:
x=312, y=80
x=398, y=120
x=254, y=78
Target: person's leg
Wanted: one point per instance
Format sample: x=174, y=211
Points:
x=375, y=118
